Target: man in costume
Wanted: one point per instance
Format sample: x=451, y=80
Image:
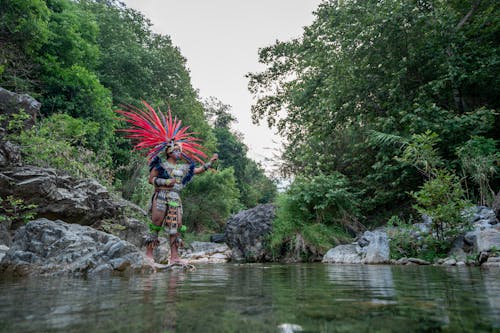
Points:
x=158, y=133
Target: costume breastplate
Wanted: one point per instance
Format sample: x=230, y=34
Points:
x=177, y=171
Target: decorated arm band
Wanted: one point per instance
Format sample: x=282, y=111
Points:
x=207, y=166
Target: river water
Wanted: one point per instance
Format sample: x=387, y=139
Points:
x=259, y=298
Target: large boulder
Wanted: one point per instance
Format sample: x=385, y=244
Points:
x=12, y=103
x=246, y=232
x=55, y=247
x=59, y=196
x=371, y=248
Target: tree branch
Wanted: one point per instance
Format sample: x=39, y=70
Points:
x=467, y=16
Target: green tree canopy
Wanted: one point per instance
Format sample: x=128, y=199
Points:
x=397, y=67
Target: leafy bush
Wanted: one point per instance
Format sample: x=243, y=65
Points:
x=407, y=240
x=311, y=217
x=52, y=145
x=441, y=199
x=209, y=200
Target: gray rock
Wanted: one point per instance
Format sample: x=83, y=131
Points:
x=450, y=262
x=5, y=238
x=59, y=196
x=161, y=254
x=492, y=262
x=3, y=251
x=377, y=251
x=481, y=215
x=343, y=254
x=207, y=252
x=55, y=247
x=402, y=261
x=10, y=154
x=484, y=239
x=12, y=103
x=127, y=228
x=418, y=261
x=246, y=232
x=208, y=247
x=371, y=248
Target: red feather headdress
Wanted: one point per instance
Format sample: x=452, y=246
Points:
x=157, y=132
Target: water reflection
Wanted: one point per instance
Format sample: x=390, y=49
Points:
x=376, y=279
x=259, y=298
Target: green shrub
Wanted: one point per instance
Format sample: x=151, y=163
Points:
x=311, y=217
x=442, y=199
x=407, y=240
x=209, y=199
x=53, y=146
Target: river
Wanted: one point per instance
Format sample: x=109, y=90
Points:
x=259, y=298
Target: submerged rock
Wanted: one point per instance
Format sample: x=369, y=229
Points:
x=55, y=247
x=246, y=232
x=371, y=248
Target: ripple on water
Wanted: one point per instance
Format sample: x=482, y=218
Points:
x=258, y=298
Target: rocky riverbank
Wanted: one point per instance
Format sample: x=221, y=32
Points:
x=82, y=229
x=479, y=246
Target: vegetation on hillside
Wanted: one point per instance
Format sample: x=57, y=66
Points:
x=82, y=60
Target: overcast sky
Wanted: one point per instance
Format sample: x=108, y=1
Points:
x=220, y=40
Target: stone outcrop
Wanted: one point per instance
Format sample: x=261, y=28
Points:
x=484, y=239
x=207, y=252
x=478, y=246
x=55, y=247
x=10, y=154
x=12, y=103
x=371, y=248
x=59, y=196
x=246, y=232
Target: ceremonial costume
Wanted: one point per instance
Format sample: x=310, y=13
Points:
x=157, y=133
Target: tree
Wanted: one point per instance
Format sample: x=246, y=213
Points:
x=254, y=186
x=398, y=67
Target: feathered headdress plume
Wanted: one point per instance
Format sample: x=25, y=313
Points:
x=155, y=132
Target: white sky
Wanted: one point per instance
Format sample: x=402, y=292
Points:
x=220, y=40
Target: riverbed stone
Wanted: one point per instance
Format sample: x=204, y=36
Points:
x=207, y=252
x=371, y=248
x=343, y=254
x=55, y=247
x=418, y=261
x=246, y=232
